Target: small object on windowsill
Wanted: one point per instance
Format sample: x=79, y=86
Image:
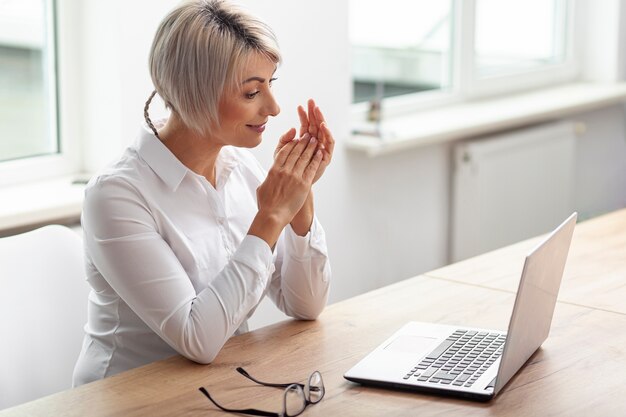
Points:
x=376, y=132
x=374, y=115
x=474, y=119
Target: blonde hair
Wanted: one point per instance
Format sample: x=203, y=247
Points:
x=198, y=53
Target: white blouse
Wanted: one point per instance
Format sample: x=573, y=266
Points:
x=171, y=266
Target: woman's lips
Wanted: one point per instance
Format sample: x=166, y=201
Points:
x=257, y=128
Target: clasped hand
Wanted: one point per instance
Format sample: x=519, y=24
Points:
x=298, y=163
x=315, y=125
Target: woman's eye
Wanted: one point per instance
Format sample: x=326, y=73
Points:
x=252, y=95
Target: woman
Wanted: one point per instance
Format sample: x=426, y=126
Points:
x=186, y=233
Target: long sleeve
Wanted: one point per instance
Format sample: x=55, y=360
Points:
x=123, y=243
x=300, y=284
x=171, y=266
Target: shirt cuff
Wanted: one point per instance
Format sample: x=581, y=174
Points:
x=300, y=246
x=255, y=253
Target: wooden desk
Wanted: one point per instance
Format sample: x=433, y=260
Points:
x=595, y=273
x=578, y=371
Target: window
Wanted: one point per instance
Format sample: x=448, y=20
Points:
x=453, y=50
x=400, y=48
x=518, y=36
x=28, y=87
x=37, y=88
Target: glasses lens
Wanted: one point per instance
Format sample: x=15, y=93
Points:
x=294, y=400
x=315, y=388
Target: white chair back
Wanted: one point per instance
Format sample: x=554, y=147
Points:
x=43, y=308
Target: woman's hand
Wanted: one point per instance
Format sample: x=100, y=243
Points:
x=287, y=186
x=315, y=125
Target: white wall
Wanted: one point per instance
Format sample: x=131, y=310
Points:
x=601, y=163
x=599, y=40
x=386, y=218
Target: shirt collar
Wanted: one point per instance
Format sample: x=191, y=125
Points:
x=226, y=162
x=163, y=162
x=160, y=159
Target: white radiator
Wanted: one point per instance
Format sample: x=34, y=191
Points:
x=511, y=187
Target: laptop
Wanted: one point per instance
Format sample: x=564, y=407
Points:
x=472, y=362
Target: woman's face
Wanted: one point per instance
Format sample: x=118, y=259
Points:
x=244, y=112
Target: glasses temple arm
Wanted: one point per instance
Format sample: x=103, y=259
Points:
x=267, y=384
x=251, y=411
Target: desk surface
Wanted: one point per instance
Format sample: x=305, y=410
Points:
x=578, y=371
x=594, y=276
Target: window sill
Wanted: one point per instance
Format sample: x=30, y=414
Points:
x=447, y=124
x=56, y=200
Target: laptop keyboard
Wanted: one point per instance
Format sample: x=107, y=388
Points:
x=460, y=359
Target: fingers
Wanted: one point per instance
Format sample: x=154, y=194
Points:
x=283, y=153
x=296, y=153
x=311, y=169
x=313, y=122
x=310, y=119
x=304, y=121
x=319, y=116
x=329, y=141
x=305, y=158
x=286, y=138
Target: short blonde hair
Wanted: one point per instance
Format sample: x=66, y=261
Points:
x=198, y=53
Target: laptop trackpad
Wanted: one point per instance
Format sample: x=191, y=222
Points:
x=410, y=344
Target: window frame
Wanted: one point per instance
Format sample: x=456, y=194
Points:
x=60, y=30
x=465, y=86
x=548, y=75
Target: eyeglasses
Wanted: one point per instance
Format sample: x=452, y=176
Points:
x=295, y=399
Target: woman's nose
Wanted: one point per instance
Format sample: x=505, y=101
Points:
x=272, y=107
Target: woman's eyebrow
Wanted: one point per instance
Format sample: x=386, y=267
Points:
x=256, y=78
x=259, y=79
